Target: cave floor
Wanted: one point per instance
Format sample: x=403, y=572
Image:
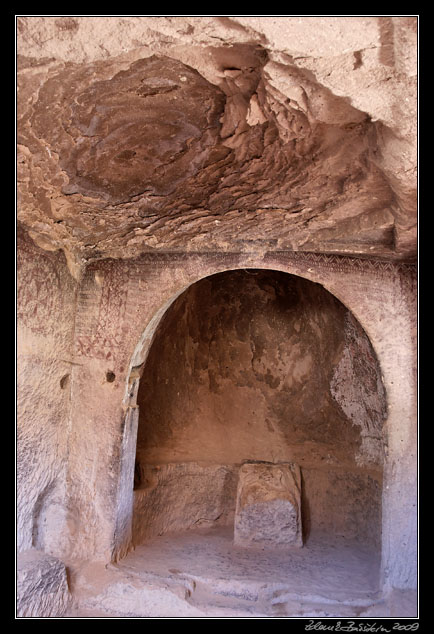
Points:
x=200, y=574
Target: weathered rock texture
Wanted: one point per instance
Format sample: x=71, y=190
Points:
x=261, y=365
x=42, y=586
x=177, y=497
x=156, y=151
x=45, y=323
x=118, y=309
x=340, y=502
x=245, y=365
x=218, y=133
x=201, y=573
x=268, y=510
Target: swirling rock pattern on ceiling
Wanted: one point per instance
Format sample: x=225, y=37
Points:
x=217, y=134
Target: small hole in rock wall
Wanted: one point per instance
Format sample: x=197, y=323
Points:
x=64, y=381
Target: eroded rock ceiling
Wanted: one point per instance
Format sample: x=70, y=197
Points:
x=138, y=134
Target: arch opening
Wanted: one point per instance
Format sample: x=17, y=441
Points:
x=261, y=368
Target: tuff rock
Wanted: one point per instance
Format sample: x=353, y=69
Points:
x=144, y=134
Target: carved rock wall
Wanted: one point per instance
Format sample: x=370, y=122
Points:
x=154, y=151
x=46, y=309
x=382, y=298
x=177, y=497
x=243, y=367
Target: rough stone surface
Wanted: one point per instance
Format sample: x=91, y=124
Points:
x=42, y=586
x=156, y=151
x=342, y=502
x=202, y=571
x=176, y=497
x=268, y=509
x=244, y=366
x=218, y=133
x=45, y=323
x=358, y=388
x=120, y=305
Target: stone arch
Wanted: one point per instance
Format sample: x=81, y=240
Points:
x=141, y=350
x=137, y=364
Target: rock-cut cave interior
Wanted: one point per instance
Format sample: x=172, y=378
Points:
x=216, y=317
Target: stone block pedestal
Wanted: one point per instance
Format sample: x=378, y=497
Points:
x=268, y=506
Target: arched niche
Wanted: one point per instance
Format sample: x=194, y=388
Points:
x=334, y=434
